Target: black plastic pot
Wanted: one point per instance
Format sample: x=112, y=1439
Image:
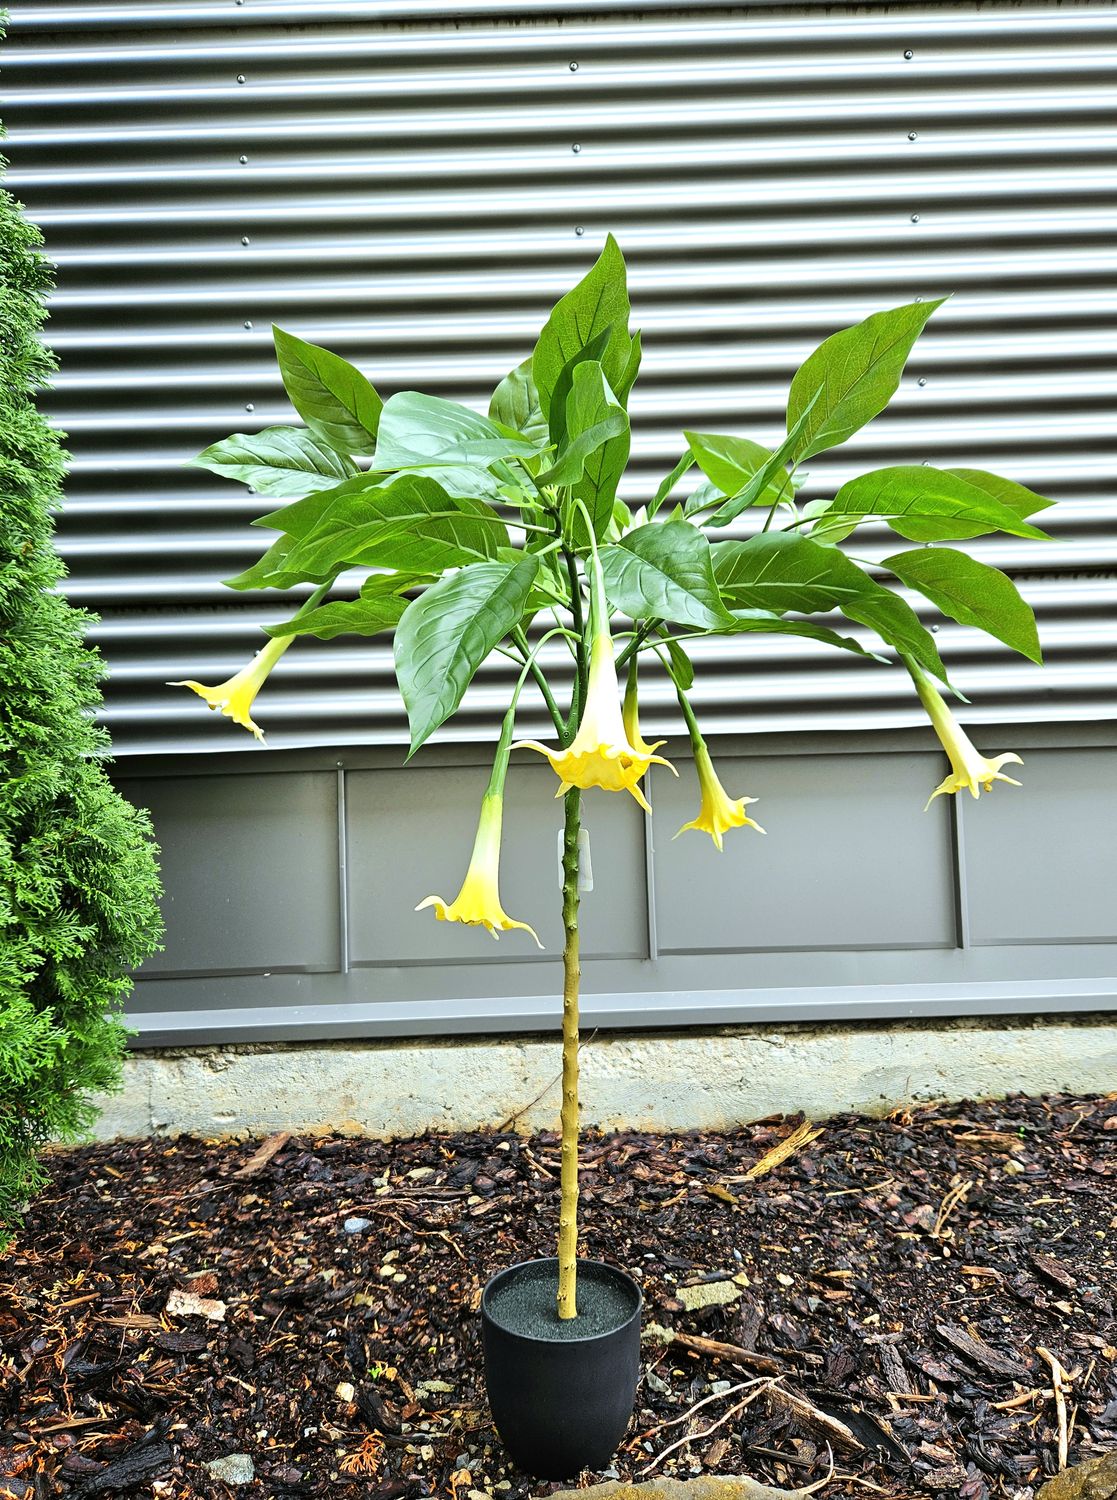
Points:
x=561, y=1399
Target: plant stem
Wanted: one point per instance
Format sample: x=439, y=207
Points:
x=568, y=1212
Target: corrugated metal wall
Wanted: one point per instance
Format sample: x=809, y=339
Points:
x=414, y=184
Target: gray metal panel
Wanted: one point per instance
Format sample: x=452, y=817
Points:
x=409, y=836
x=1050, y=876
x=890, y=917
x=249, y=869
x=848, y=859
x=410, y=195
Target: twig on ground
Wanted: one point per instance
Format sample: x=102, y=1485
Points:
x=1059, y=1380
x=697, y=1437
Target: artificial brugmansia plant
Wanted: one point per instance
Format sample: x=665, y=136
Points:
x=480, y=534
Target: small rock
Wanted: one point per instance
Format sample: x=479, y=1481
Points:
x=708, y=1294
x=344, y=1391
x=356, y=1225
x=187, y=1304
x=478, y=1494
x=432, y=1388
x=234, y=1468
x=1096, y=1479
x=949, y=1477
x=420, y=1174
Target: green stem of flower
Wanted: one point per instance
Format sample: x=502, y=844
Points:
x=536, y=670
x=568, y=1179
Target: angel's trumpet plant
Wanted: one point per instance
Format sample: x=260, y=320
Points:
x=718, y=811
x=478, y=902
x=970, y=770
x=630, y=713
x=601, y=753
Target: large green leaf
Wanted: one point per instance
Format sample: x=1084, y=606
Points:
x=281, y=461
x=668, y=484
x=459, y=480
x=515, y=404
x=970, y=592
x=422, y=430
x=379, y=607
x=730, y=462
x=596, y=449
x=271, y=571
x=333, y=398
x=925, y=504
x=591, y=353
x=447, y=633
x=852, y=375
x=664, y=572
x=763, y=622
x=781, y=571
x=771, y=481
x=409, y=523
x=599, y=301
x=1022, y=502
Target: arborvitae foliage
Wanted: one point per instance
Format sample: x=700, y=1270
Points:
x=78, y=876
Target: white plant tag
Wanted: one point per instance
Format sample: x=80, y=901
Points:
x=585, y=860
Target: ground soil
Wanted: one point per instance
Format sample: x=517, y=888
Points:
x=897, y=1280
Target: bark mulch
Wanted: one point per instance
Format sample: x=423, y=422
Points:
x=930, y=1299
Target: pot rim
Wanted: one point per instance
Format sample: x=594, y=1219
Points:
x=552, y=1260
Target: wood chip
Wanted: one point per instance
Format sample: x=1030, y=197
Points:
x=802, y=1136
x=186, y=1304
x=259, y=1160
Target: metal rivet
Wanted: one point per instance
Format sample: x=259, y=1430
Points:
x=922, y=380
x=908, y=54
x=248, y=406
x=575, y=148
x=248, y=322
x=935, y=629
x=241, y=78
x=912, y=135
x=573, y=67
x=579, y=230
x=243, y=160
x=244, y=239
x=915, y=218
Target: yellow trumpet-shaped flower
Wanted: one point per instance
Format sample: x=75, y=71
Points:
x=235, y=697
x=630, y=716
x=478, y=901
x=601, y=753
x=969, y=768
x=719, y=811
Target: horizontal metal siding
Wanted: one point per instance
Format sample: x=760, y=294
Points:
x=410, y=195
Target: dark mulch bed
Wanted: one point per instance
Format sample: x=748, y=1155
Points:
x=348, y=1363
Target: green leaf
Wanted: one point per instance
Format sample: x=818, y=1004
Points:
x=970, y=592
x=598, y=302
x=664, y=572
x=631, y=370
x=333, y=398
x=682, y=668
x=379, y=607
x=515, y=404
x=852, y=375
x=596, y=451
x=925, y=504
x=764, y=622
x=771, y=482
x=417, y=430
x=589, y=354
x=703, y=497
x=781, y=571
x=730, y=462
x=277, y=461
x=447, y=632
x=301, y=516
x=409, y=523
x=1022, y=502
x=271, y=571
x=667, y=485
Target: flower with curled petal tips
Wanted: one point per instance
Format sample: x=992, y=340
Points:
x=718, y=811
x=601, y=753
x=235, y=697
x=970, y=770
x=478, y=902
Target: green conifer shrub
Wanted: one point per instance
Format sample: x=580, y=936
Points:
x=79, y=881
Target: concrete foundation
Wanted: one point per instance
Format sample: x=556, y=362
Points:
x=650, y=1081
